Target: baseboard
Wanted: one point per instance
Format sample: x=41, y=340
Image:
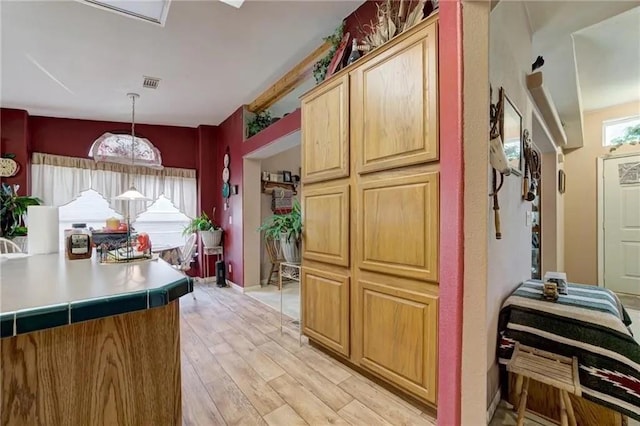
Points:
x=253, y=287
x=491, y=411
x=235, y=286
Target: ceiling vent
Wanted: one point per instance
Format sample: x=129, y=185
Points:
x=150, y=82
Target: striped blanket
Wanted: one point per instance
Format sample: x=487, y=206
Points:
x=589, y=323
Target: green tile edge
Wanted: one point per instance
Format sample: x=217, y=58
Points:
x=164, y=295
x=41, y=318
x=7, y=323
x=27, y=321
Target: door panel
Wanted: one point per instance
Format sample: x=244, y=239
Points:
x=622, y=224
x=394, y=104
x=325, y=133
x=326, y=224
x=398, y=226
x=399, y=332
x=325, y=308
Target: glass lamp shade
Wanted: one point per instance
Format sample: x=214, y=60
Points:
x=132, y=194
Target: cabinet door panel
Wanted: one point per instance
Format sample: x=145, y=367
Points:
x=325, y=308
x=398, y=226
x=326, y=224
x=399, y=333
x=325, y=133
x=394, y=105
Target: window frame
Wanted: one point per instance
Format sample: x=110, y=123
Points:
x=632, y=119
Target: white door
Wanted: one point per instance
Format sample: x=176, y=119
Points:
x=622, y=224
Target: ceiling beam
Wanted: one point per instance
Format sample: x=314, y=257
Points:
x=287, y=83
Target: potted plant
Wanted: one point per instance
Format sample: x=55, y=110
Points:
x=210, y=233
x=13, y=209
x=286, y=228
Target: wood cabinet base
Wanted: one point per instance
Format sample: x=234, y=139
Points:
x=543, y=400
x=121, y=370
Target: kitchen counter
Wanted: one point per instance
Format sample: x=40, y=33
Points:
x=90, y=343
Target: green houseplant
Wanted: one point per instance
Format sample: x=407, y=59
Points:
x=13, y=209
x=259, y=122
x=287, y=229
x=209, y=231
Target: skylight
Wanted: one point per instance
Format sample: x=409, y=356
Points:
x=234, y=3
x=150, y=10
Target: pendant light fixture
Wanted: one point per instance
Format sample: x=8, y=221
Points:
x=132, y=194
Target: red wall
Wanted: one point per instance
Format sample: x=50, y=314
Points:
x=14, y=139
x=229, y=136
x=206, y=161
x=451, y=213
x=73, y=138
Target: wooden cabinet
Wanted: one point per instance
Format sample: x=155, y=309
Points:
x=371, y=213
x=399, y=334
x=326, y=236
x=325, y=132
x=325, y=308
x=394, y=118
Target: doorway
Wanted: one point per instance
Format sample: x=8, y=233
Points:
x=620, y=207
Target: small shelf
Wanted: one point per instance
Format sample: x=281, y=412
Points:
x=268, y=186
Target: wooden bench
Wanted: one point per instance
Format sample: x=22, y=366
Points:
x=554, y=370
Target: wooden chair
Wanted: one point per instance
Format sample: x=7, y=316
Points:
x=8, y=246
x=275, y=257
x=554, y=370
x=187, y=253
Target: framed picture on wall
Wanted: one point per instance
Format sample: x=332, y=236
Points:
x=286, y=176
x=511, y=133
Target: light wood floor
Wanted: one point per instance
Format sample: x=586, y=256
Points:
x=237, y=369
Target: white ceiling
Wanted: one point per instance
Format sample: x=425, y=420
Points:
x=553, y=24
x=608, y=61
x=67, y=59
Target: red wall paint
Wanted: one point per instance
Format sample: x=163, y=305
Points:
x=73, y=138
x=451, y=213
x=206, y=160
x=14, y=139
x=229, y=135
x=280, y=128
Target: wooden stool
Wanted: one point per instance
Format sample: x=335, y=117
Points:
x=554, y=370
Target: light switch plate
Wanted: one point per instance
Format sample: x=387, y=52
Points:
x=230, y=220
x=529, y=219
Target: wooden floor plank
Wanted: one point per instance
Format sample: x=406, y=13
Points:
x=378, y=400
x=284, y=416
x=321, y=387
x=197, y=406
x=202, y=360
x=305, y=403
x=323, y=364
x=357, y=414
x=257, y=391
x=232, y=403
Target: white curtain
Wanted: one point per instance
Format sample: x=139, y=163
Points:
x=59, y=180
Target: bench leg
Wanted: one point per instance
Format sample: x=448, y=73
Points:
x=563, y=411
x=522, y=405
x=570, y=413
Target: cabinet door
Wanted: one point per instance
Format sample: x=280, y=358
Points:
x=399, y=335
x=398, y=221
x=326, y=224
x=325, y=132
x=325, y=308
x=394, y=105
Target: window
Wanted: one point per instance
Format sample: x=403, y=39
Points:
x=116, y=148
x=621, y=131
x=90, y=207
x=163, y=222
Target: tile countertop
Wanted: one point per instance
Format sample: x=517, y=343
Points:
x=45, y=291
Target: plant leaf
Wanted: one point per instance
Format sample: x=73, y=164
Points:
x=415, y=16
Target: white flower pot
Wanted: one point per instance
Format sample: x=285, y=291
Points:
x=290, y=249
x=211, y=238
